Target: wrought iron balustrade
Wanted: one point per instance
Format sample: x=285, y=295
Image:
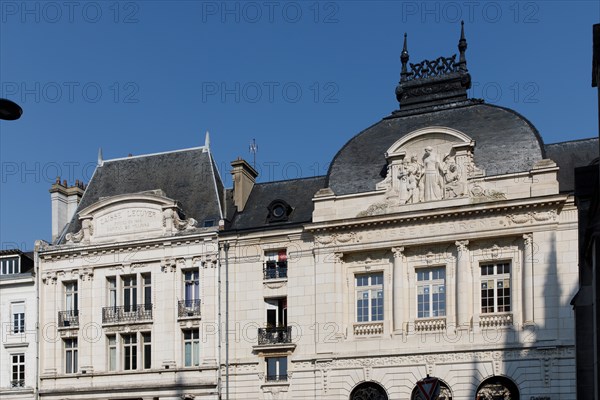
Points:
x=68, y=319
x=277, y=378
x=19, y=383
x=188, y=308
x=115, y=314
x=275, y=335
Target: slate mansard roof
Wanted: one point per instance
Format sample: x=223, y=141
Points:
x=188, y=176
x=505, y=143
x=298, y=193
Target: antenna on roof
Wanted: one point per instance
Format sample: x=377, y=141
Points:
x=207, y=142
x=253, y=150
x=100, y=159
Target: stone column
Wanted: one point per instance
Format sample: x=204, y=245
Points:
x=398, y=289
x=527, y=278
x=463, y=286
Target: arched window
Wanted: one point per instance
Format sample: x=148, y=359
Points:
x=497, y=388
x=368, y=391
x=445, y=393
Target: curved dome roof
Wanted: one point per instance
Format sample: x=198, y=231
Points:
x=505, y=142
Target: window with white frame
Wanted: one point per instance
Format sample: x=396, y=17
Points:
x=18, y=317
x=70, y=355
x=112, y=352
x=191, y=347
x=191, y=290
x=112, y=291
x=146, y=350
x=10, y=265
x=431, y=292
x=369, y=297
x=147, y=290
x=17, y=378
x=71, y=296
x=276, y=264
x=130, y=293
x=276, y=368
x=129, y=351
x=495, y=287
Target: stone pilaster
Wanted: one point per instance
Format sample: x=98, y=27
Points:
x=463, y=285
x=398, y=289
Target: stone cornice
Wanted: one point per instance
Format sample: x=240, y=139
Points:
x=66, y=251
x=445, y=213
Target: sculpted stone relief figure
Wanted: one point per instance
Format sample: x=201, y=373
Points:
x=430, y=179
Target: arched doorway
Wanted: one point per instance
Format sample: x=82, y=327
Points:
x=445, y=393
x=497, y=388
x=368, y=391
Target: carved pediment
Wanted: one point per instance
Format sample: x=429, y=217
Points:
x=131, y=216
x=430, y=164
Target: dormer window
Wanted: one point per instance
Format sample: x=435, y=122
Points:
x=279, y=211
x=10, y=266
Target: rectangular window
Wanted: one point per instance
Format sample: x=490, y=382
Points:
x=276, y=368
x=112, y=292
x=70, y=356
x=71, y=296
x=129, y=351
x=10, y=265
x=431, y=293
x=147, y=290
x=191, y=345
x=130, y=293
x=147, y=350
x=495, y=288
x=17, y=379
x=369, y=297
x=18, y=317
x=276, y=264
x=112, y=352
x=191, y=287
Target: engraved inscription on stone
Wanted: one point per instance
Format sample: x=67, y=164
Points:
x=128, y=220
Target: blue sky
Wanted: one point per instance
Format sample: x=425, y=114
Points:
x=301, y=78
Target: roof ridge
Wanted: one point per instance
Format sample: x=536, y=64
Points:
x=574, y=140
x=156, y=154
x=291, y=180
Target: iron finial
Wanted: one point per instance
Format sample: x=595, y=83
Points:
x=462, y=47
x=404, y=60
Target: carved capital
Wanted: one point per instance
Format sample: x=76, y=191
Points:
x=49, y=278
x=398, y=251
x=462, y=245
x=528, y=239
x=338, y=257
x=87, y=274
x=168, y=265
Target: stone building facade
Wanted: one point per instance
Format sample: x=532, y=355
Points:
x=129, y=281
x=18, y=319
x=442, y=242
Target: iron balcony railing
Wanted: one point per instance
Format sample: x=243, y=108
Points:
x=188, y=308
x=277, y=378
x=19, y=383
x=140, y=312
x=275, y=335
x=68, y=319
x=275, y=270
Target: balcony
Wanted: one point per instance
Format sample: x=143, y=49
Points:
x=430, y=324
x=277, y=378
x=68, y=319
x=188, y=308
x=19, y=383
x=127, y=314
x=368, y=329
x=275, y=270
x=268, y=336
x=495, y=320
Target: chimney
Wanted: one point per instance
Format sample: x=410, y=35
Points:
x=64, y=199
x=244, y=177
